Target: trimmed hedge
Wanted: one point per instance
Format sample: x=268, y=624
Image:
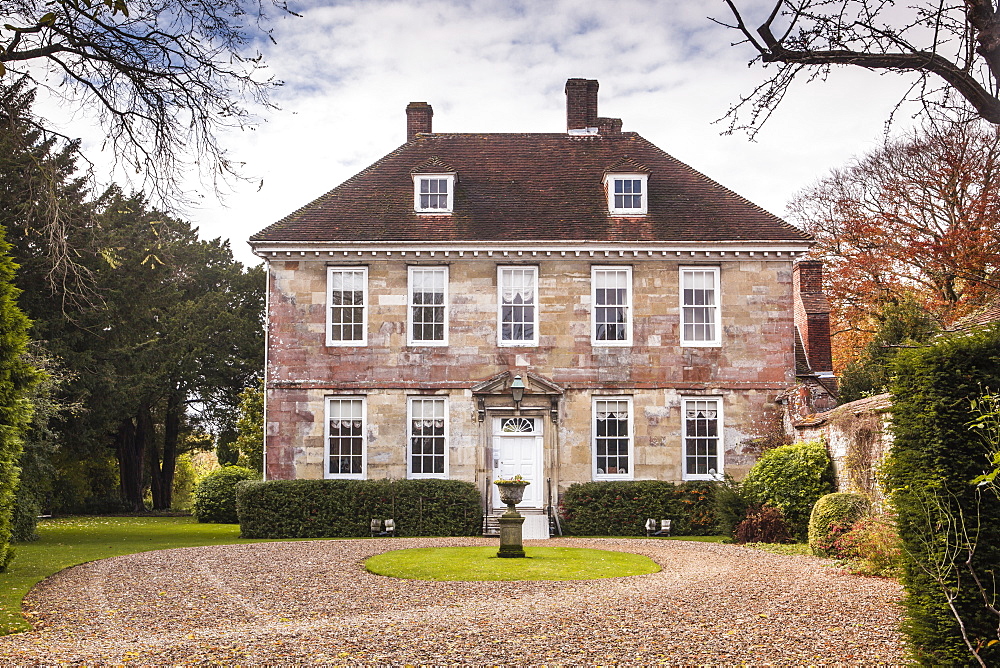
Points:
x=345, y=508
x=934, y=458
x=215, y=494
x=833, y=516
x=791, y=478
x=621, y=508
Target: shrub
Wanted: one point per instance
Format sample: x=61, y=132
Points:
x=345, y=508
x=763, y=525
x=872, y=546
x=621, y=508
x=215, y=495
x=184, y=482
x=832, y=516
x=730, y=507
x=791, y=478
x=929, y=473
x=24, y=520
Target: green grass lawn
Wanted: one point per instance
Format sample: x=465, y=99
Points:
x=75, y=540
x=482, y=563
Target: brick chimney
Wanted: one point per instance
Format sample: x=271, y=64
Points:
x=581, y=104
x=581, y=110
x=418, y=119
x=812, y=314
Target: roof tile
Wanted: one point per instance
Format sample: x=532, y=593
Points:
x=529, y=187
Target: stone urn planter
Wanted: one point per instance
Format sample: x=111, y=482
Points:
x=511, y=493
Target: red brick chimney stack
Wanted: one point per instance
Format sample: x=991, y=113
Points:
x=418, y=119
x=581, y=110
x=581, y=104
x=812, y=314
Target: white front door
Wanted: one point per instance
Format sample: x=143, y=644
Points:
x=517, y=450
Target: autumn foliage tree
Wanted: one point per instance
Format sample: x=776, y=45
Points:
x=917, y=220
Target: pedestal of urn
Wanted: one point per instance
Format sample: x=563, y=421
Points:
x=511, y=543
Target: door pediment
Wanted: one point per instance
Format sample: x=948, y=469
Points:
x=540, y=393
x=533, y=384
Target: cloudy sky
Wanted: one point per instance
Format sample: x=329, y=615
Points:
x=350, y=67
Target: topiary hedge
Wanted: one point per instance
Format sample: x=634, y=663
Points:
x=791, y=478
x=345, y=508
x=215, y=494
x=832, y=516
x=934, y=459
x=621, y=508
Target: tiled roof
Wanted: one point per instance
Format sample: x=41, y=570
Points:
x=984, y=315
x=529, y=187
x=802, y=367
x=815, y=302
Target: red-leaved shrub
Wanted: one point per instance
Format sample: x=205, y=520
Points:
x=765, y=524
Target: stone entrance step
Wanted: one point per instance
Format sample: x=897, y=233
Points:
x=536, y=525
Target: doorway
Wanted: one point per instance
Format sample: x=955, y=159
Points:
x=517, y=450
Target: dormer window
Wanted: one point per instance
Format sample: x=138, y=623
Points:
x=433, y=193
x=626, y=194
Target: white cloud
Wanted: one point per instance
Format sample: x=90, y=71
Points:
x=351, y=67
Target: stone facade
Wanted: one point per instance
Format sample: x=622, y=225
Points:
x=749, y=370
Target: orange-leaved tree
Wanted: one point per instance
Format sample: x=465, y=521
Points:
x=917, y=220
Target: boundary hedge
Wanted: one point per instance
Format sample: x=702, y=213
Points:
x=345, y=508
x=621, y=508
x=933, y=461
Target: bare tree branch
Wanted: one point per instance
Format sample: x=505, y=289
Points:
x=165, y=76
x=957, y=43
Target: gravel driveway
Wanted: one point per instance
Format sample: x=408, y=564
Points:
x=313, y=602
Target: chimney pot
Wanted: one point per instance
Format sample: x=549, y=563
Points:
x=418, y=119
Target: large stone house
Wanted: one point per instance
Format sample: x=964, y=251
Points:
x=647, y=311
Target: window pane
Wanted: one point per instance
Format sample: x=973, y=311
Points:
x=628, y=193
x=701, y=437
x=346, y=304
x=517, y=304
x=611, y=437
x=427, y=436
x=699, y=310
x=346, y=433
x=611, y=302
x=427, y=304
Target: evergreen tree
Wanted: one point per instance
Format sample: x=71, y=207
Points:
x=16, y=379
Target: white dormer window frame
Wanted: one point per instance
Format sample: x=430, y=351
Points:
x=434, y=193
x=628, y=194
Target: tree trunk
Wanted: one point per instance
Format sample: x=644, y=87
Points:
x=163, y=469
x=130, y=450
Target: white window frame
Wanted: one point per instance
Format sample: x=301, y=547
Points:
x=630, y=472
x=715, y=309
x=609, y=188
x=330, y=341
x=330, y=400
x=417, y=182
x=533, y=341
x=720, y=445
x=594, y=271
x=410, y=436
x=410, y=339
